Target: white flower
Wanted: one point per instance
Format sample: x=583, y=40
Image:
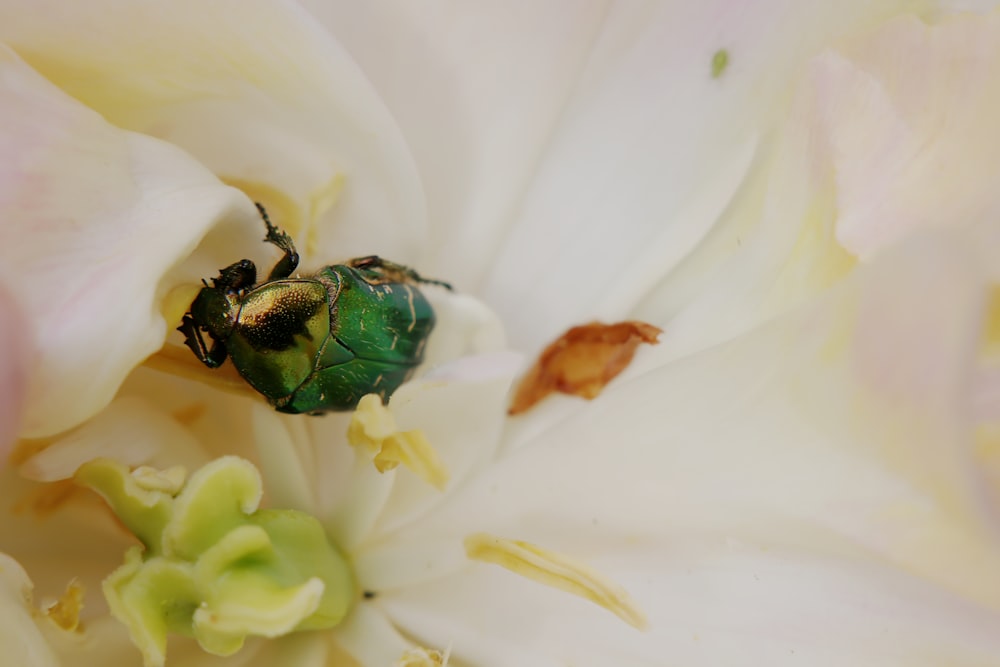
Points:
x=801, y=472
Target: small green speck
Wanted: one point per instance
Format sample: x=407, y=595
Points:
x=719, y=63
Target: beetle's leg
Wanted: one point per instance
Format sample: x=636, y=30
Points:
x=210, y=356
x=392, y=272
x=236, y=276
x=288, y=263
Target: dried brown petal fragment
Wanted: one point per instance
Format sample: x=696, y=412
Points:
x=582, y=361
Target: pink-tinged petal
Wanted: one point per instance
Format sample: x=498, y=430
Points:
x=97, y=228
x=15, y=358
x=258, y=92
x=887, y=132
x=905, y=117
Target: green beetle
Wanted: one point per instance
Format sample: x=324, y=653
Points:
x=317, y=343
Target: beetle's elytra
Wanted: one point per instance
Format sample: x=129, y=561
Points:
x=316, y=343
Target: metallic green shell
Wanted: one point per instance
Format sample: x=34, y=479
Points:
x=321, y=343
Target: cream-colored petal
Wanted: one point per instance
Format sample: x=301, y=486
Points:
x=96, y=222
x=13, y=368
x=130, y=430
x=920, y=146
x=21, y=639
x=840, y=433
x=464, y=326
x=369, y=636
x=478, y=90
x=257, y=92
x=888, y=132
x=364, y=494
x=461, y=409
x=220, y=422
x=711, y=600
x=290, y=480
x=647, y=126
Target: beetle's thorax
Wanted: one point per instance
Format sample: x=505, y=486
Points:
x=216, y=309
x=273, y=315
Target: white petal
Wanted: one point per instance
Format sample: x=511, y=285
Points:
x=256, y=91
x=645, y=128
x=464, y=326
x=95, y=224
x=13, y=368
x=461, y=408
x=888, y=133
x=59, y=533
x=289, y=481
x=907, y=116
x=130, y=430
x=477, y=89
x=710, y=601
x=369, y=636
x=23, y=643
x=840, y=433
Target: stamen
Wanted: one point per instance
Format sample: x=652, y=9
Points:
x=556, y=570
x=65, y=612
x=373, y=429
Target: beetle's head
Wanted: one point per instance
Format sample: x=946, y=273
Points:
x=215, y=310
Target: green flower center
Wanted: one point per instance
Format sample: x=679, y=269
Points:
x=212, y=565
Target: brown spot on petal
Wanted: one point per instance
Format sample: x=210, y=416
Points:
x=582, y=361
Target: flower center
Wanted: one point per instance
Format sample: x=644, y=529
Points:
x=212, y=565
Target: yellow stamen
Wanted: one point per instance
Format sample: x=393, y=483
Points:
x=421, y=657
x=169, y=481
x=373, y=429
x=556, y=570
x=65, y=612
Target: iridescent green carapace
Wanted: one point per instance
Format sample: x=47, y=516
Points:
x=317, y=343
